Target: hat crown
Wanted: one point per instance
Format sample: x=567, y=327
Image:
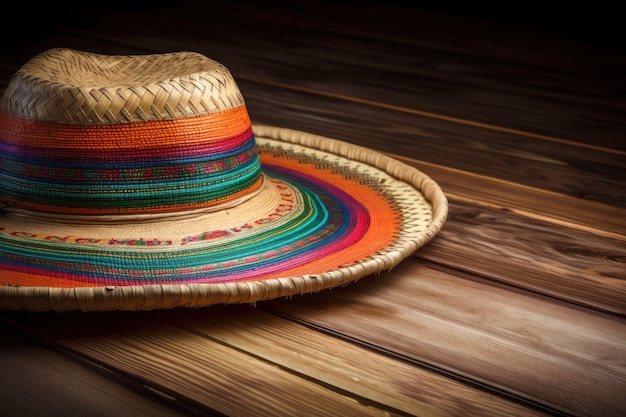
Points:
x=84, y=133
x=69, y=86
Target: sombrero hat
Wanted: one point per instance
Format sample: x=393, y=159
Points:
x=139, y=182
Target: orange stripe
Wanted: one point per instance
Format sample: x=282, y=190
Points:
x=28, y=280
x=377, y=236
x=212, y=126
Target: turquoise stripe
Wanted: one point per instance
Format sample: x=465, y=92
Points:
x=205, y=188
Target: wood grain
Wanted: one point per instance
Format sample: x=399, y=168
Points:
x=202, y=339
x=575, y=266
x=502, y=156
x=485, y=191
x=193, y=369
x=511, y=341
x=515, y=309
x=34, y=374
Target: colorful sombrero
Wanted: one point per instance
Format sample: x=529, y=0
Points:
x=139, y=182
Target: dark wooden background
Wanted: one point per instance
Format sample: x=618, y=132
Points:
x=516, y=308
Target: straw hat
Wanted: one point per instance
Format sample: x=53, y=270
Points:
x=138, y=182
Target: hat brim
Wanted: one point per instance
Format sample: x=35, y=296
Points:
x=329, y=213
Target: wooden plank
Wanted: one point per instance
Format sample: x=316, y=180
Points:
x=582, y=173
x=191, y=368
x=564, y=263
x=37, y=381
x=465, y=68
x=346, y=367
x=442, y=114
x=484, y=191
x=564, y=357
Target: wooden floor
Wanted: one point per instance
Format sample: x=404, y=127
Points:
x=517, y=308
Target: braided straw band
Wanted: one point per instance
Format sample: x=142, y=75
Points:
x=330, y=214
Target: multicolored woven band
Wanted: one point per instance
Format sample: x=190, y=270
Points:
x=140, y=167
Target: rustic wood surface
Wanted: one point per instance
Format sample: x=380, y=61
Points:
x=518, y=306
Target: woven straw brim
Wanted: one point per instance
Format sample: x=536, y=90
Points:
x=415, y=232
